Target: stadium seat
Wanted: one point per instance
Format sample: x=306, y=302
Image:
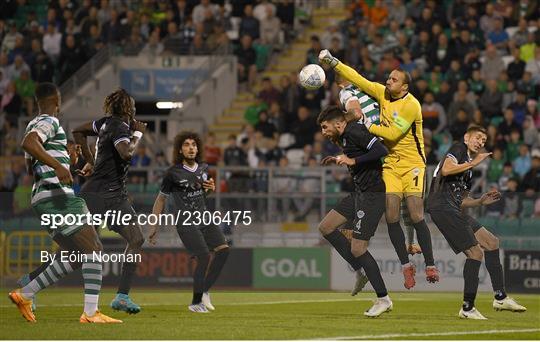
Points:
x=508, y=227
x=489, y=222
x=530, y=227
x=263, y=53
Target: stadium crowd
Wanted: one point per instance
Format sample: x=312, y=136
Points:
x=471, y=62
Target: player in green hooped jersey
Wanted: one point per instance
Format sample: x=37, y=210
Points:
x=356, y=103
x=47, y=159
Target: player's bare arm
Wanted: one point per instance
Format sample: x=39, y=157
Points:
x=79, y=135
x=487, y=198
x=33, y=145
x=450, y=167
x=125, y=149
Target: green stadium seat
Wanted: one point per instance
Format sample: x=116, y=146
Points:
x=152, y=188
x=530, y=227
x=496, y=121
x=489, y=222
x=135, y=188
x=528, y=208
x=508, y=227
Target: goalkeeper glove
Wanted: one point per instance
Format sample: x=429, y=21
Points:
x=326, y=57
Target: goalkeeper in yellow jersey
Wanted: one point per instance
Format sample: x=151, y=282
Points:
x=404, y=167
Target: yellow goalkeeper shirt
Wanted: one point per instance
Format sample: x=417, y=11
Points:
x=401, y=122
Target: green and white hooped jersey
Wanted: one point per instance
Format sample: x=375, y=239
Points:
x=46, y=184
x=370, y=107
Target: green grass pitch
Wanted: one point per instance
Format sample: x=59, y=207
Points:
x=271, y=315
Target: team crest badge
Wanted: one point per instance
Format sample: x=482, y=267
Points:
x=416, y=171
x=360, y=214
x=204, y=177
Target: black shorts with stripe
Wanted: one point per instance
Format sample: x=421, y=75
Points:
x=456, y=228
x=364, y=210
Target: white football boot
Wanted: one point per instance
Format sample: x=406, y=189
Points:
x=508, y=304
x=472, y=314
x=380, y=306
x=198, y=308
x=361, y=281
x=206, y=301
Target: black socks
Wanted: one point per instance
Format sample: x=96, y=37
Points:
x=398, y=241
x=470, y=276
x=424, y=240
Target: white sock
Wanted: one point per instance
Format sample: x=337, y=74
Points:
x=90, y=304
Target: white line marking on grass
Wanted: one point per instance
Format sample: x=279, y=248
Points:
x=235, y=304
x=449, y=333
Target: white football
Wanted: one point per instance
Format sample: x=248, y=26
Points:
x=312, y=76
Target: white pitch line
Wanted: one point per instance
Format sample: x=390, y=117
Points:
x=449, y=333
x=236, y=304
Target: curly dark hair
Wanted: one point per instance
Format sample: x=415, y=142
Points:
x=179, y=140
x=118, y=103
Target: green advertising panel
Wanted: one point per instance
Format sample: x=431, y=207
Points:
x=291, y=268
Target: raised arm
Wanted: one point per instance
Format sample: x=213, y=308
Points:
x=125, y=146
x=374, y=89
x=451, y=167
x=79, y=135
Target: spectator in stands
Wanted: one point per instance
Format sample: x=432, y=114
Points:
x=89, y=21
x=490, y=103
x=531, y=180
x=134, y=43
x=25, y=89
x=249, y=25
x=247, y=70
x=146, y=27
x=218, y=39
x=8, y=43
x=522, y=33
x=398, y=12
x=498, y=36
x=52, y=42
x=154, y=47
x=267, y=129
x=141, y=158
x=199, y=11
x=459, y=126
x=515, y=68
x=262, y=9
x=18, y=49
x=43, y=68
x=508, y=124
x=332, y=33
x=512, y=147
x=460, y=103
x=212, y=151
x=533, y=66
x=493, y=65
x=234, y=155
x=93, y=43
x=522, y=164
x=270, y=28
x=304, y=128
x=511, y=200
x=11, y=104
x=14, y=70
x=312, y=55
x=111, y=31
x=71, y=59
x=269, y=93
x=198, y=46
x=496, y=164
x=174, y=42
x=530, y=133
x=433, y=114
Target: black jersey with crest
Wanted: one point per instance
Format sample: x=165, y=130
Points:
x=448, y=191
x=355, y=141
x=184, y=187
x=110, y=169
